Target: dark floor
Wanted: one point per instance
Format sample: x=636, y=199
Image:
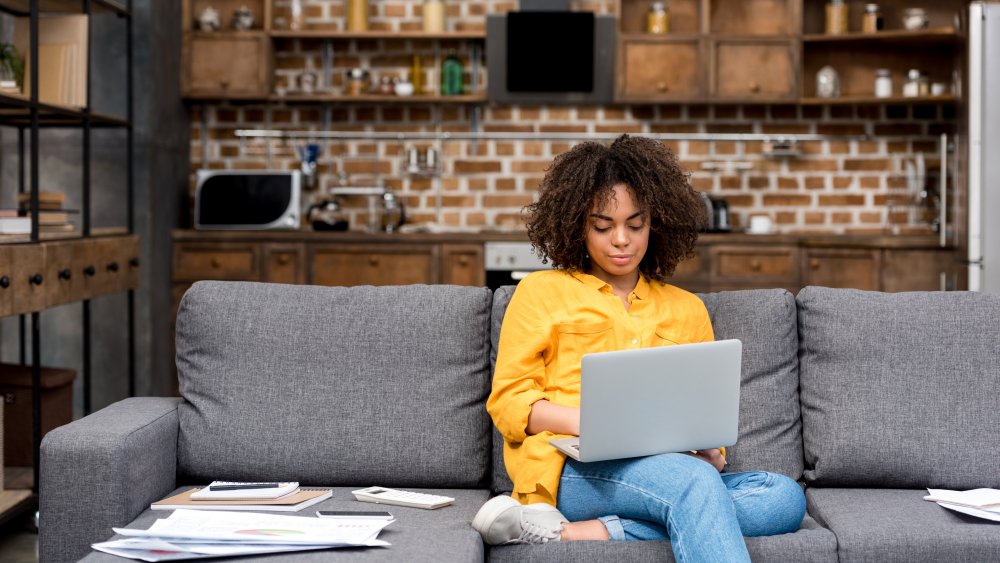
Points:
x=19, y=540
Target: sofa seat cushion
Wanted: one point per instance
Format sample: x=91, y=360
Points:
x=334, y=385
x=770, y=429
x=895, y=525
x=899, y=390
x=417, y=535
x=811, y=544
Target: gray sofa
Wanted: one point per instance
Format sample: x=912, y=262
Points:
x=866, y=398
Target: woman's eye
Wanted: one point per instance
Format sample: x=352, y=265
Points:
x=601, y=229
x=637, y=228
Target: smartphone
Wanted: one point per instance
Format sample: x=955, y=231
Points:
x=354, y=514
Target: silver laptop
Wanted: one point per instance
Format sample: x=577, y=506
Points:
x=657, y=400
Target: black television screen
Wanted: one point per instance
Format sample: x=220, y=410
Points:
x=550, y=51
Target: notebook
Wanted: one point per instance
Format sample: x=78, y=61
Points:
x=657, y=400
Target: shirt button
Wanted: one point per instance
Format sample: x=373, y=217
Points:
x=635, y=341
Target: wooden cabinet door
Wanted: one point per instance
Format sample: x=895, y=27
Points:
x=754, y=69
x=216, y=261
x=919, y=270
x=745, y=267
x=284, y=263
x=373, y=264
x=66, y=281
x=28, y=281
x=226, y=64
x=660, y=69
x=462, y=264
x=858, y=269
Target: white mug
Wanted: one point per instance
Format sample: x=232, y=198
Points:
x=760, y=224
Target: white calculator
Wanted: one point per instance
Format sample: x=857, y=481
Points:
x=382, y=495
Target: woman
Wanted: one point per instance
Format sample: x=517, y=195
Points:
x=615, y=222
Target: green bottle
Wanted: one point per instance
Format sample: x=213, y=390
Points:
x=451, y=75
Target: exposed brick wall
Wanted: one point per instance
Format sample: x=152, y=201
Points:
x=833, y=187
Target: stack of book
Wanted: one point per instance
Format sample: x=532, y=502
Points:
x=52, y=217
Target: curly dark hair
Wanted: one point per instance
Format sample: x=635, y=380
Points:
x=587, y=174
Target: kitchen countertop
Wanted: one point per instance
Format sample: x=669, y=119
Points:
x=473, y=237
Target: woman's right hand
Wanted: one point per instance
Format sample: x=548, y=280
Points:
x=558, y=419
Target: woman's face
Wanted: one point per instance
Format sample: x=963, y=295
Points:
x=617, y=237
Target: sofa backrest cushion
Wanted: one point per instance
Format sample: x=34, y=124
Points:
x=770, y=430
x=501, y=298
x=900, y=390
x=333, y=385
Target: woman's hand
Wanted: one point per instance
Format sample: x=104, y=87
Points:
x=554, y=418
x=712, y=456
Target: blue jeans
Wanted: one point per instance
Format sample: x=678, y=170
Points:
x=703, y=513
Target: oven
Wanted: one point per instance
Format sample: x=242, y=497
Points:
x=508, y=262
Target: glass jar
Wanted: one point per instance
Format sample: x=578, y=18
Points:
x=883, y=83
x=916, y=84
x=836, y=17
x=827, y=82
x=451, y=75
x=872, y=20
x=658, y=19
x=915, y=19
x=433, y=16
x=357, y=81
x=357, y=15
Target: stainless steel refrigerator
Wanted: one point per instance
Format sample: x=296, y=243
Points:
x=982, y=154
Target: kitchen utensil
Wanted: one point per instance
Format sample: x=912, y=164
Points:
x=761, y=225
x=393, y=213
x=915, y=18
x=327, y=216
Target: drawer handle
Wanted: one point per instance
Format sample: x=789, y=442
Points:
x=373, y=260
x=463, y=261
x=754, y=87
x=35, y=279
x=134, y=262
x=65, y=274
x=90, y=271
x=4, y=282
x=662, y=86
x=814, y=264
x=215, y=263
x=755, y=265
x=113, y=266
x=283, y=260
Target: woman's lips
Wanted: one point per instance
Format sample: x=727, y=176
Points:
x=621, y=259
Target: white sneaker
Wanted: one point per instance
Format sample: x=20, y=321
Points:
x=504, y=520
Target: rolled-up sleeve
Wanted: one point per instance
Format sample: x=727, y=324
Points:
x=519, y=379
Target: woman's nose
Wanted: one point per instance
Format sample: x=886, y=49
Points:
x=620, y=236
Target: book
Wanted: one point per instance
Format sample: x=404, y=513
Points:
x=289, y=503
x=54, y=200
x=15, y=225
x=280, y=491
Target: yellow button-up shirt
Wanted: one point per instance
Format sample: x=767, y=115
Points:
x=554, y=317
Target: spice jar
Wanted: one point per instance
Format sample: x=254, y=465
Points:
x=872, y=20
x=883, y=83
x=357, y=81
x=836, y=17
x=916, y=84
x=433, y=16
x=658, y=18
x=357, y=15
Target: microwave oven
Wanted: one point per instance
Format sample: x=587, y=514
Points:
x=247, y=199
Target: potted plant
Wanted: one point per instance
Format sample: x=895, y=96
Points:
x=11, y=69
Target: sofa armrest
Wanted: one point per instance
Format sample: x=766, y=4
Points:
x=102, y=471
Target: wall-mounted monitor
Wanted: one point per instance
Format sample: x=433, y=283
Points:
x=550, y=57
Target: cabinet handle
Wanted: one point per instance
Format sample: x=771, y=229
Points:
x=754, y=87
x=814, y=264
x=35, y=279
x=215, y=263
x=662, y=86
x=90, y=271
x=283, y=260
x=755, y=265
x=373, y=260
x=4, y=282
x=224, y=84
x=65, y=274
x=463, y=261
x=113, y=266
x=134, y=262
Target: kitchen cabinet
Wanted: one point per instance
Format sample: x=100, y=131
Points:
x=935, y=50
x=832, y=267
x=754, y=266
x=365, y=264
x=284, y=263
x=226, y=64
x=462, y=264
x=753, y=69
x=660, y=70
x=919, y=270
x=217, y=261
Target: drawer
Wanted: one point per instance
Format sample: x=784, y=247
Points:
x=65, y=280
x=374, y=265
x=28, y=278
x=6, y=280
x=771, y=265
x=238, y=262
x=284, y=263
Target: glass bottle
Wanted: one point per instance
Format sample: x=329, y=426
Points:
x=451, y=75
x=298, y=20
x=658, y=19
x=836, y=17
x=357, y=15
x=871, y=22
x=883, y=83
x=916, y=84
x=417, y=75
x=433, y=16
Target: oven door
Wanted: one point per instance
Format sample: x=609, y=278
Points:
x=509, y=262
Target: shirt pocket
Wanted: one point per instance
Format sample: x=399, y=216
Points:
x=577, y=339
x=665, y=336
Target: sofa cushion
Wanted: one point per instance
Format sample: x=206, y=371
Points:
x=811, y=544
x=366, y=385
x=764, y=320
x=892, y=525
x=417, y=535
x=900, y=389
x=770, y=437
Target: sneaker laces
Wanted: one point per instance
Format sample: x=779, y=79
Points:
x=533, y=533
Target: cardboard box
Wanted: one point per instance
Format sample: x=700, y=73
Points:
x=57, y=408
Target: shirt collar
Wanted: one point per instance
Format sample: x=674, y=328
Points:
x=641, y=290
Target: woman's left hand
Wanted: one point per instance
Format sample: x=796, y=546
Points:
x=712, y=456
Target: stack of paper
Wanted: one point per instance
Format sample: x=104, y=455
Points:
x=297, y=500
x=189, y=534
x=981, y=503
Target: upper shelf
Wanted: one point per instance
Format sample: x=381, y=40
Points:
x=15, y=111
x=332, y=34
x=23, y=7
x=924, y=36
